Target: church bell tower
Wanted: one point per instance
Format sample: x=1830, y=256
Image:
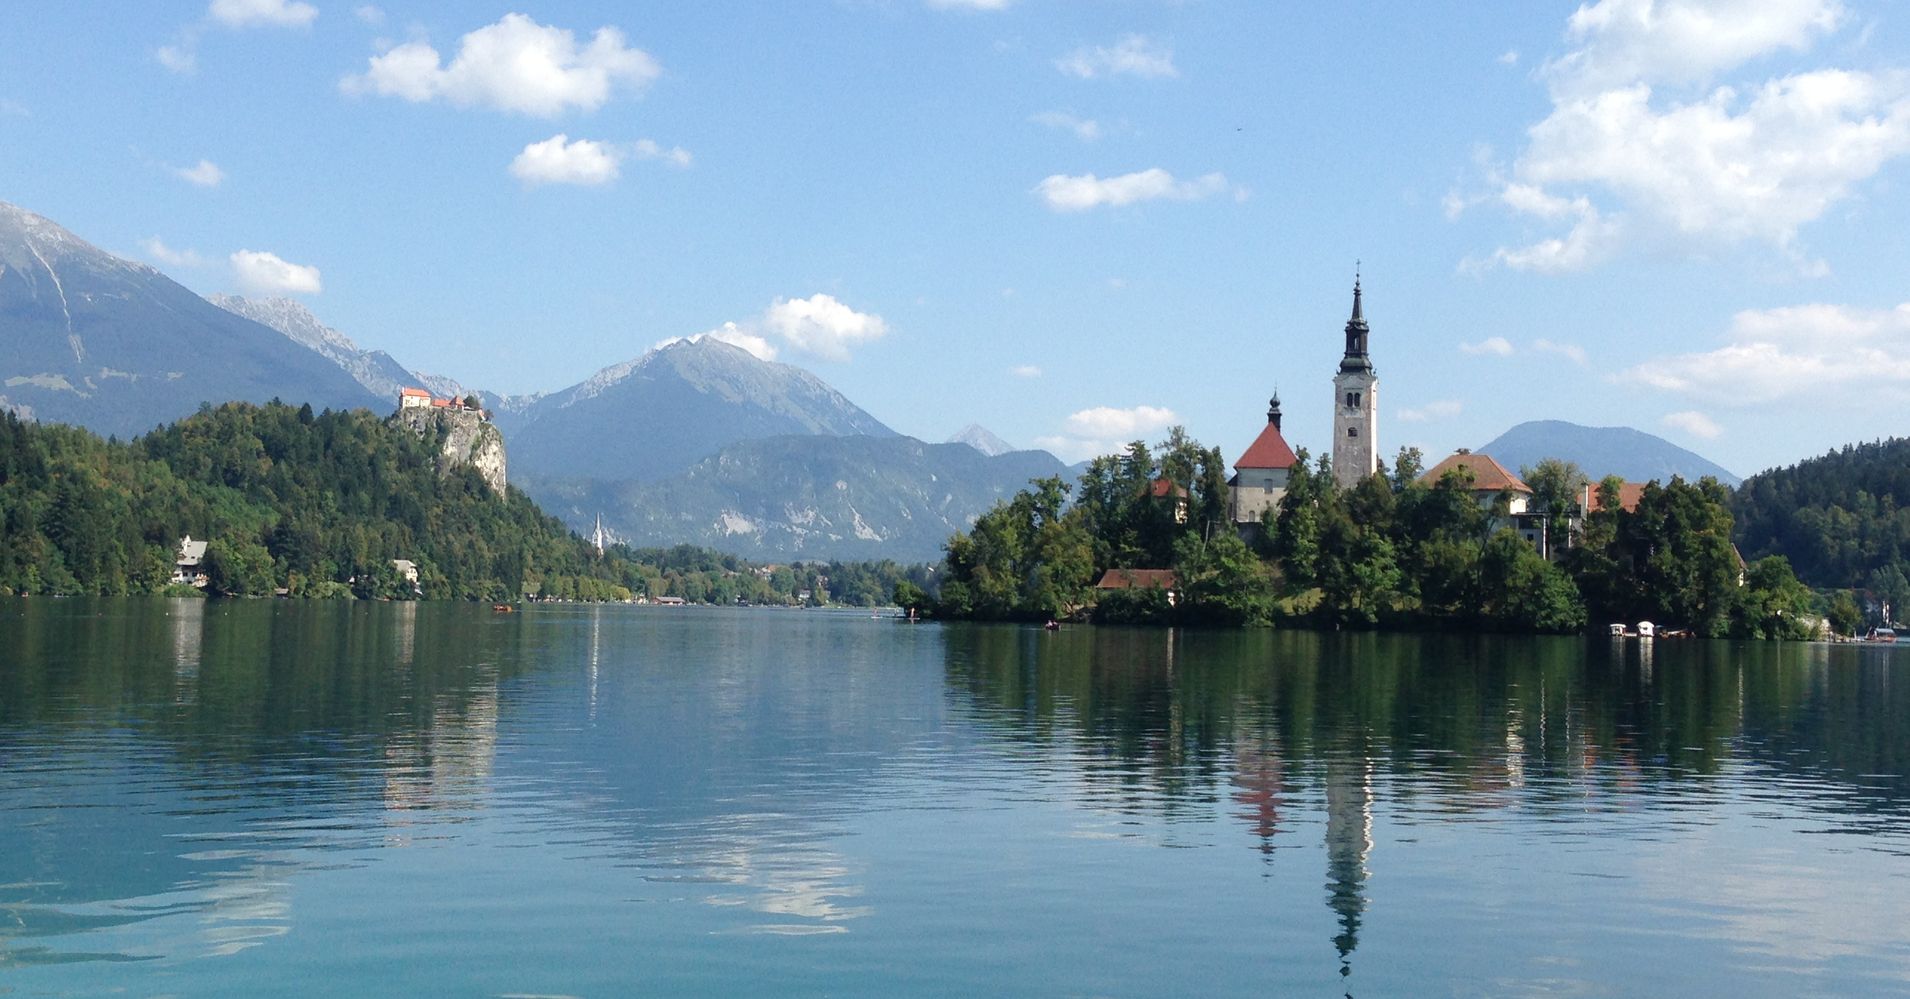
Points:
x=1355, y=405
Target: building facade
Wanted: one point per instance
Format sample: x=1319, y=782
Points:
x=1260, y=476
x=1355, y=405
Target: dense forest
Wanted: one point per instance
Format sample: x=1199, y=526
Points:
x=1392, y=551
x=320, y=505
x=1842, y=519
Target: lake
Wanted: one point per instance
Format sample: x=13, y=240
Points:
x=244, y=797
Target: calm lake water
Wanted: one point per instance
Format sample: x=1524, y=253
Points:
x=241, y=798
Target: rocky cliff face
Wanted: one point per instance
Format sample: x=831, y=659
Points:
x=469, y=439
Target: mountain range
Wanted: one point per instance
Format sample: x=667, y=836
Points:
x=118, y=347
x=697, y=440
x=1630, y=454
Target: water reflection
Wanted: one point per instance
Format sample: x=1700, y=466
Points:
x=1526, y=733
x=200, y=785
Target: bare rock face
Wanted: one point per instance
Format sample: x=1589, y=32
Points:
x=469, y=439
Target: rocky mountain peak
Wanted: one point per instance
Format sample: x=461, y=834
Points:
x=981, y=439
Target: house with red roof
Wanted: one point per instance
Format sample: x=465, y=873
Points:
x=1142, y=579
x=1260, y=476
x=1488, y=480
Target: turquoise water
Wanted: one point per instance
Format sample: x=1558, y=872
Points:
x=245, y=797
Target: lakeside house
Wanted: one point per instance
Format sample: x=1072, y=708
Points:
x=1142, y=579
x=188, y=567
x=1491, y=484
x=1164, y=490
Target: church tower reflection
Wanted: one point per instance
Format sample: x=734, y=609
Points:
x=1349, y=839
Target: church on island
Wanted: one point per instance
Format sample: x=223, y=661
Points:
x=1261, y=475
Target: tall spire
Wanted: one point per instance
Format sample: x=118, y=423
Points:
x=1273, y=409
x=1356, y=333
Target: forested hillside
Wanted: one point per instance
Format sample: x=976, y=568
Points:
x=1842, y=519
x=318, y=505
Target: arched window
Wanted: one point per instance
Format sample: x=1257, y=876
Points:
x=1352, y=431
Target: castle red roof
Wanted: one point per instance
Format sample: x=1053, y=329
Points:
x=1487, y=475
x=416, y=392
x=1269, y=450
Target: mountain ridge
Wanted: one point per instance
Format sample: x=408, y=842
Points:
x=1629, y=453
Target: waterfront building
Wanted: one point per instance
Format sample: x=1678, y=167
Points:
x=1260, y=476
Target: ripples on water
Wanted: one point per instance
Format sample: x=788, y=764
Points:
x=216, y=798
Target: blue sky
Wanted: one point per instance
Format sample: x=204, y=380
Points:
x=1071, y=222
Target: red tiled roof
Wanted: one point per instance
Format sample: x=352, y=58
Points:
x=1487, y=475
x=1269, y=450
x=441, y=403
x=1138, y=579
x=1628, y=496
x=1159, y=488
x=415, y=392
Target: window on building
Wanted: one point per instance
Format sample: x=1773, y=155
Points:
x=1352, y=431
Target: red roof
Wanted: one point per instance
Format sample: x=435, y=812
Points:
x=1488, y=476
x=1159, y=488
x=415, y=393
x=1269, y=450
x=1138, y=579
x=1628, y=496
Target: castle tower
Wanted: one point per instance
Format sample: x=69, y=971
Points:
x=1355, y=405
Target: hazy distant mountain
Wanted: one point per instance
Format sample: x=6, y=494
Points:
x=810, y=497
x=1633, y=454
x=981, y=439
x=116, y=346
x=656, y=415
x=376, y=370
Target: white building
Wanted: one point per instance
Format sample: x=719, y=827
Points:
x=189, y=563
x=1260, y=476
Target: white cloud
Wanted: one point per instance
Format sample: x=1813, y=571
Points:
x=268, y=13
x=1694, y=423
x=264, y=273
x=180, y=58
x=822, y=326
x=1509, y=58
x=1440, y=410
x=1105, y=430
x=558, y=160
x=1133, y=55
x=1681, y=41
x=514, y=65
x=817, y=325
x=1110, y=423
x=676, y=156
x=1064, y=193
x=734, y=335
x=1629, y=151
x=205, y=173
x=369, y=14
x=969, y=4
x=1085, y=129
x=1497, y=345
x=1025, y=371
x=159, y=253
x=1815, y=352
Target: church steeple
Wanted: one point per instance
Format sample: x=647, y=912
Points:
x=1356, y=333
x=1273, y=409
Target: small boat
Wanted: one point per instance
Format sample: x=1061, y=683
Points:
x=503, y=609
x=1618, y=631
x=1646, y=629
x=1052, y=625
x=1881, y=635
